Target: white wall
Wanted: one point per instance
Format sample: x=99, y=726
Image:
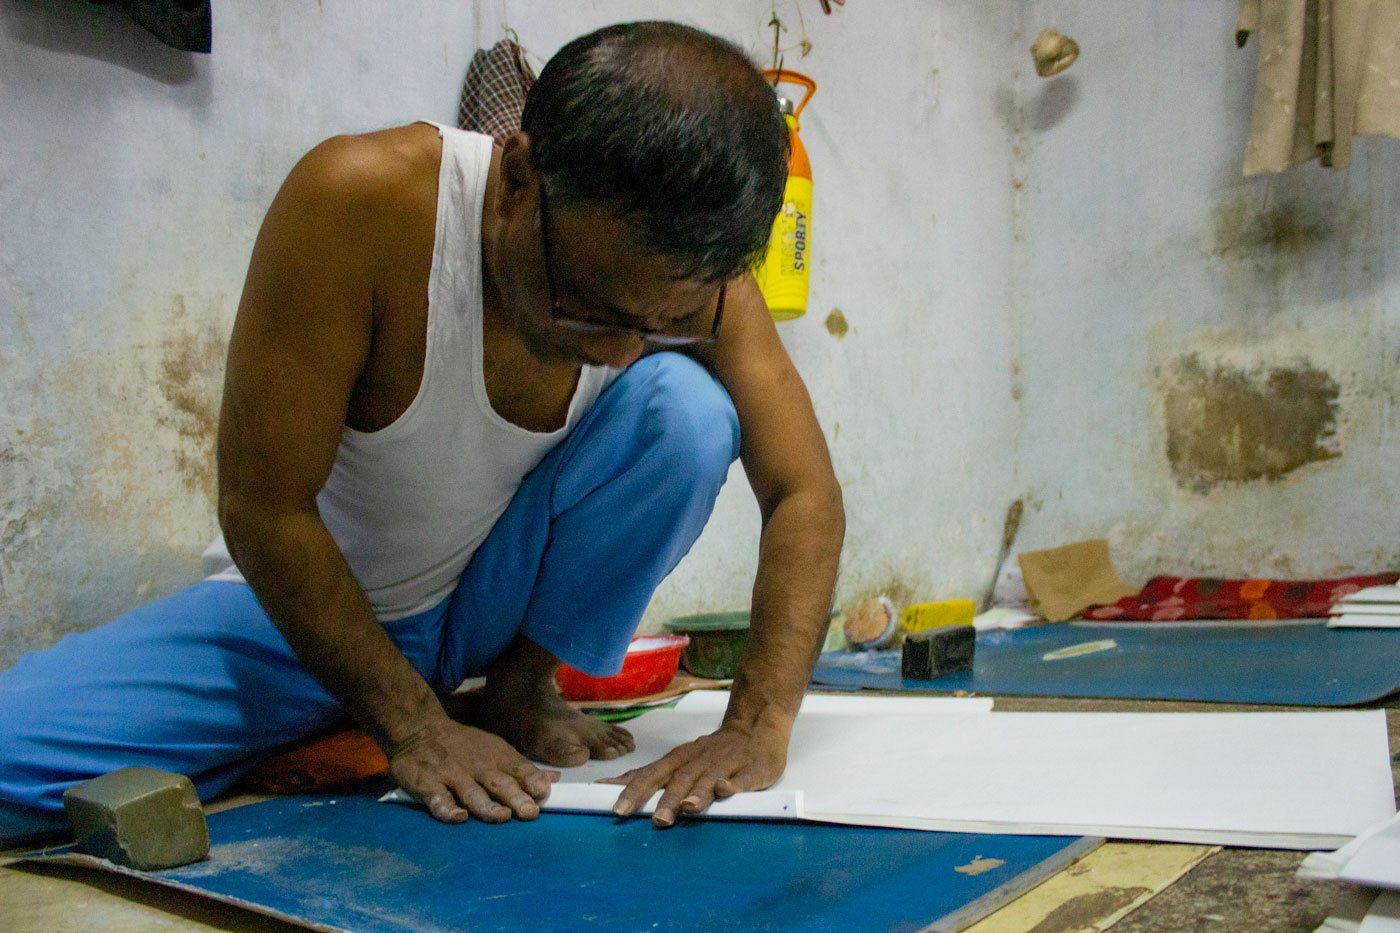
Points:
x=1040, y=278
x=133, y=178
x=1158, y=288
x=132, y=181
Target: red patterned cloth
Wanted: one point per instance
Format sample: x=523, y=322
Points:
x=1165, y=599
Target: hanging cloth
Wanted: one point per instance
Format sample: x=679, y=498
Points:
x=187, y=25
x=493, y=94
x=1328, y=70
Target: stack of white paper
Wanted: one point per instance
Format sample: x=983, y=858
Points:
x=1281, y=780
x=786, y=804
x=1371, y=859
x=1373, y=607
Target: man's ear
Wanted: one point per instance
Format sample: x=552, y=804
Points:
x=518, y=175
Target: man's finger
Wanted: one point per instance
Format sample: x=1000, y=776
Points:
x=678, y=788
x=643, y=784
x=508, y=791
x=700, y=796
x=754, y=777
x=725, y=788
x=479, y=803
x=623, y=778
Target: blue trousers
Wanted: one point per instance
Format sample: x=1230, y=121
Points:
x=203, y=684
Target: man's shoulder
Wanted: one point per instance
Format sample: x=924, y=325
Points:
x=371, y=171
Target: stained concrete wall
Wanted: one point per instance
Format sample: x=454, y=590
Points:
x=1058, y=290
x=1210, y=366
x=133, y=178
x=132, y=182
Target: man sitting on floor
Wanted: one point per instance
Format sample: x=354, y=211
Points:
x=447, y=449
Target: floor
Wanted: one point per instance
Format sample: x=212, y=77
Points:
x=1130, y=887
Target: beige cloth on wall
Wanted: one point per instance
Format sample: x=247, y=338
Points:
x=1328, y=70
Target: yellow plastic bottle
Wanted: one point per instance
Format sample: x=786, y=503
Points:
x=785, y=273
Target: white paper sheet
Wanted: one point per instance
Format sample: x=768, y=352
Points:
x=1374, y=594
x=1286, y=780
x=572, y=797
x=1326, y=866
x=1372, y=858
x=1366, y=609
x=599, y=798
x=1004, y=617
x=1361, y=620
x=716, y=701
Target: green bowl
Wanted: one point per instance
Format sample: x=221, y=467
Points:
x=717, y=642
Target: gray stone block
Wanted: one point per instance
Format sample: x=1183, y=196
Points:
x=140, y=818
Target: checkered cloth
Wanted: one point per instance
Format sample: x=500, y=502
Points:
x=493, y=94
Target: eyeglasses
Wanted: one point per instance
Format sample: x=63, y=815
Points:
x=561, y=319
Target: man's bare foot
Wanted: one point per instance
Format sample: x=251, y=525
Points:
x=521, y=703
x=549, y=730
x=537, y=721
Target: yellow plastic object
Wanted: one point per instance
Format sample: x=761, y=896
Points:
x=923, y=616
x=784, y=275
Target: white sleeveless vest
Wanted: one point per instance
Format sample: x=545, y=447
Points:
x=410, y=504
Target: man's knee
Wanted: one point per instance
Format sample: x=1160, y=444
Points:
x=694, y=421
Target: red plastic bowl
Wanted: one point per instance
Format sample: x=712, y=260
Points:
x=649, y=667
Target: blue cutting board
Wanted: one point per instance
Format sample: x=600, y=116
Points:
x=348, y=862
x=1289, y=664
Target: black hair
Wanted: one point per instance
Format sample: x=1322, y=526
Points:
x=673, y=127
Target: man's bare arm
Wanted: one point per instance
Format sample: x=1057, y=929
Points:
x=301, y=340
x=789, y=467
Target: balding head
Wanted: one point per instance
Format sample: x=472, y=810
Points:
x=672, y=127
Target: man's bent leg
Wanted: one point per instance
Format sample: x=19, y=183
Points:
x=570, y=567
x=200, y=683
x=597, y=526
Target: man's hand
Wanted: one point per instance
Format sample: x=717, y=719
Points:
x=459, y=772
x=712, y=767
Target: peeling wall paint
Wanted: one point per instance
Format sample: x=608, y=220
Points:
x=1228, y=425
x=1210, y=374
x=132, y=180
x=836, y=324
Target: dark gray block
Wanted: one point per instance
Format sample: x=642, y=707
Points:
x=139, y=817
x=938, y=651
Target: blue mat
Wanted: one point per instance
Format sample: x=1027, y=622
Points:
x=349, y=862
x=1295, y=665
